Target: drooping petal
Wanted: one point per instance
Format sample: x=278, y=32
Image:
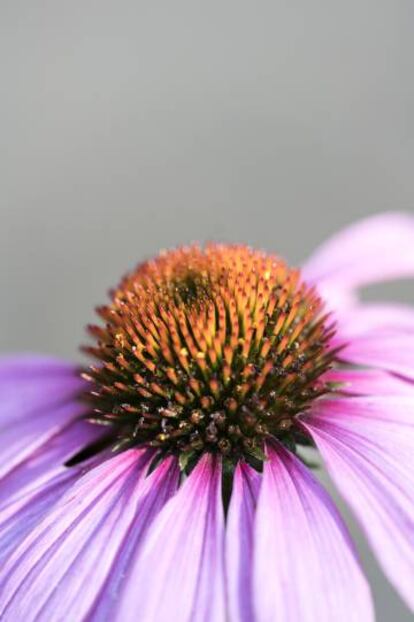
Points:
x=31, y=384
x=19, y=442
x=38, y=398
x=60, y=569
x=369, y=382
x=155, y=492
x=376, y=249
x=239, y=543
x=27, y=364
x=47, y=462
x=368, y=447
x=31, y=490
x=393, y=352
x=179, y=576
x=305, y=566
x=369, y=318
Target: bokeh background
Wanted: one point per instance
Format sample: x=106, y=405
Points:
x=130, y=126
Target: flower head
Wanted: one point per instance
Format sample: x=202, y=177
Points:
x=192, y=501
x=211, y=349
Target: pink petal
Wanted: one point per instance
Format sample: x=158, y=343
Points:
x=31, y=489
x=61, y=568
x=155, y=492
x=369, y=318
x=239, y=542
x=368, y=447
x=369, y=382
x=26, y=364
x=179, y=576
x=376, y=249
x=38, y=398
x=384, y=350
x=20, y=441
x=305, y=567
x=30, y=385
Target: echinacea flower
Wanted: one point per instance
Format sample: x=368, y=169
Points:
x=167, y=482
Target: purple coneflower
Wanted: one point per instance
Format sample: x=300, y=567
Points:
x=191, y=501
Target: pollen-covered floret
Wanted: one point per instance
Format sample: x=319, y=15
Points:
x=209, y=349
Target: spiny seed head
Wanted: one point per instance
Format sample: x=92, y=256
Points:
x=209, y=349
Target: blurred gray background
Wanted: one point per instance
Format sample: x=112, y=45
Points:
x=130, y=126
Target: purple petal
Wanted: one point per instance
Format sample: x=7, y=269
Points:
x=305, y=567
x=29, y=385
x=155, y=492
x=368, y=447
x=179, y=576
x=31, y=489
x=33, y=364
x=48, y=577
x=392, y=352
x=38, y=398
x=376, y=249
x=369, y=382
x=20, y=441
x=239, y=542
x=369, y=318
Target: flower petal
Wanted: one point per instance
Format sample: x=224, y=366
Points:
x=239, y=543
x=155, y=492
x=26, y=364
x=368, y=447
x=367, y=318
x=19, y=442
x=38, y=398
x=376, y=249
x=179, y=576
x=30, y=490
x=48, y=578
x=47, y=462
x=393, y=352
x=305, y=566
x=30, y=385
x=369, y=382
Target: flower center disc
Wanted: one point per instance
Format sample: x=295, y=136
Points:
x=209, y=349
